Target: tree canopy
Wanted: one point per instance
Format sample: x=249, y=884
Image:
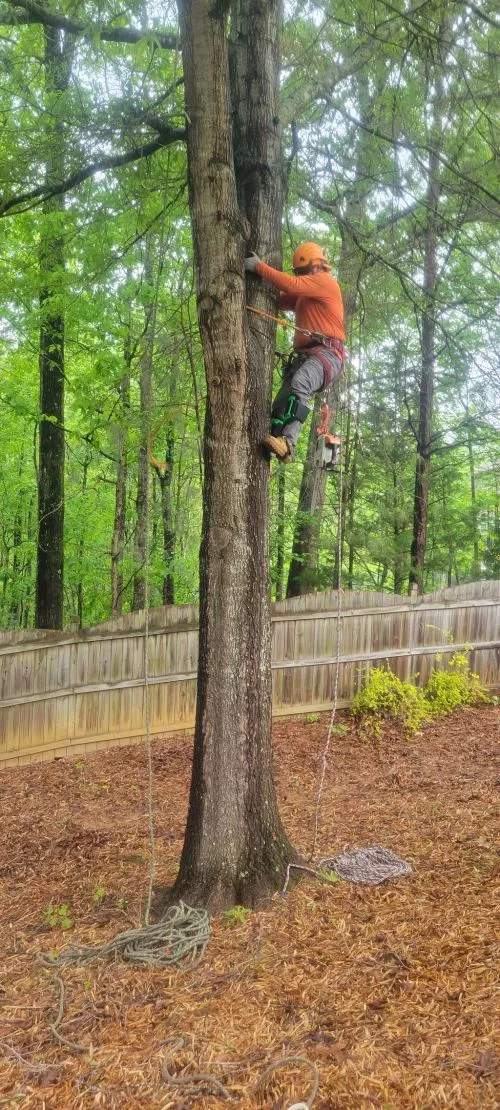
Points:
x=390, y=159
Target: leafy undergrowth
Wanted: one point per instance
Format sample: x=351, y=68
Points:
x=384, y=696
x=389, y=991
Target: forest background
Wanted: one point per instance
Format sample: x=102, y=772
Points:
x=390, y=160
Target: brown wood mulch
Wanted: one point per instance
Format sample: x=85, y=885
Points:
x=389, y=990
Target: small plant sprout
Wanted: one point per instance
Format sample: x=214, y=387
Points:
x=57, y=917
x=237, y=915
x=329, y=877
x=99, y=894
x=312, y=718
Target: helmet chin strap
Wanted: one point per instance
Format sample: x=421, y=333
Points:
x=311, y=268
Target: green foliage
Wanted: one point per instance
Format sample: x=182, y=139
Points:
x=311, y=718
x=99, y=894
x=236, y=915
x=385, y=696
x=57, y=917
x=362, y=184
x=457, y=685
x=329, y=877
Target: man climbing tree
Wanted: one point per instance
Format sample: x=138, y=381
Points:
x=318, y=355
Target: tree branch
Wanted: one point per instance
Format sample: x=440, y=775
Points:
x=32, y=12
x=412, y=147
x=36, y=196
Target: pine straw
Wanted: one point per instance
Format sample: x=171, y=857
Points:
x=388, y=990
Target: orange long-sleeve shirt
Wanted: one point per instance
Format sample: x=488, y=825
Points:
x=315, y=298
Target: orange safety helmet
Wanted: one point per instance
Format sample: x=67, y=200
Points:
x=309, y=252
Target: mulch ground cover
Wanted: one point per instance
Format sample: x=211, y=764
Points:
x=389, y=991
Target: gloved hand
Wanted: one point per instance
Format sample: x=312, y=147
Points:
x=251, y=262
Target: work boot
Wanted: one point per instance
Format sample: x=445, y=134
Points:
x=279, y=446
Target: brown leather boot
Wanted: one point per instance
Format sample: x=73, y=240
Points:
x=279, y=446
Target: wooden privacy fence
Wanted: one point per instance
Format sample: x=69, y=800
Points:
x=62, y=694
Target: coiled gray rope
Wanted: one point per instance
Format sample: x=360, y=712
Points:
x=179, y=938
x=367, y=865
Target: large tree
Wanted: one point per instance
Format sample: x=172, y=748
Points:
x=235, y=848
x=49, y=601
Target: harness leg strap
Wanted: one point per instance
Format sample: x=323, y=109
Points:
x=283, y=414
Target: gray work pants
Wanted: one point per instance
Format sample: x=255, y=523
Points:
x=304, y=377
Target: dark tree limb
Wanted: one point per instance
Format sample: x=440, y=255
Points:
x=31, y=12
x=36, y=196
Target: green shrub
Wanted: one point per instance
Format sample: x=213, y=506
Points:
x=455, y=686
x=385, y=696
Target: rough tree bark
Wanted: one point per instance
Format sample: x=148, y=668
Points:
x=49, y=596
x=235, y=848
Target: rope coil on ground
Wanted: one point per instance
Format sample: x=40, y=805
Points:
x=369, y=866
x=179, y=938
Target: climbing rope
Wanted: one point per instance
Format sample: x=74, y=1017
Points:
x=286, y=323
x=147, y=714
x=326, y=750
x=197, y=1083
x=180, y=938
x=284, y=1060
x=193, y=1084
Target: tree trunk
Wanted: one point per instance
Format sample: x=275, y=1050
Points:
x=280, y=534
x=50, y=546
x=426, y=391
x=165, y=475
x=235, y=849
x=303, y=563
x=167, y=516
x=142, y=498
x=475, y=569
x=428, y=335
x=16, y=590
x=118, y=537
x=80, y=592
